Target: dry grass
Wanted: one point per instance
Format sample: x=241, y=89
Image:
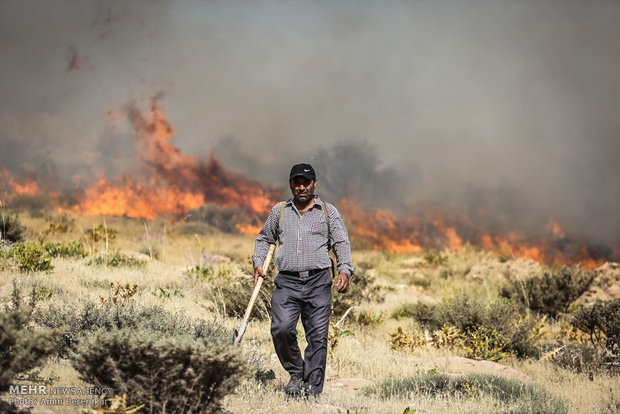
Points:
x=363, y=358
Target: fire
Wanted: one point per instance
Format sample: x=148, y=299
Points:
x=17, y=187
x=169, y=182
x=137, y=200
x=555, y=229
x=384, y=230
x=177, y=182
x=248, y=229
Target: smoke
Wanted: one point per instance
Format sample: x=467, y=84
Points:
x=503, y=112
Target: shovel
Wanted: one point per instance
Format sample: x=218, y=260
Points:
x=238, y=334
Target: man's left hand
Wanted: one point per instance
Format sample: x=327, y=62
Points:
x=342, y=283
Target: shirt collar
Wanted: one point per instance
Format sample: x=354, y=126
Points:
x=317, y=202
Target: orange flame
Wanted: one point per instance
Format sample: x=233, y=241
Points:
x=133, y=199
x=248, y=229
x=384, y=230
x=177, y=181
x=16, y=187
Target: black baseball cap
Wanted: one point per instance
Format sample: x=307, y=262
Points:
x=304, y=170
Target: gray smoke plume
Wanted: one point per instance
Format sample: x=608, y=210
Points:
x=460, y=107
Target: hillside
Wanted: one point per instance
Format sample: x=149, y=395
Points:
x=439, y=331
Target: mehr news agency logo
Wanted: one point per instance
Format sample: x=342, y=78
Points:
x=58, y=396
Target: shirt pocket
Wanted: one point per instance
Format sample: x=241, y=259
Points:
x=319, y=227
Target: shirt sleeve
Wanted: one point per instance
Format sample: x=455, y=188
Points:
x=340, y=241
x=267, y=236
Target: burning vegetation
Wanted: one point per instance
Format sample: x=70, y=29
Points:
x=173, y=182
x=170, y=183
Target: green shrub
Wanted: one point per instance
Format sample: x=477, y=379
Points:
x=501, y=318
x=21, y=348
x=601, y=321
x=485, y=343
x=116, y=259
x=76, y=323
x=172, y=375
x=518, y=397
x=31, y=257
x=552, y=292
x=10, y=228
x=65, y=249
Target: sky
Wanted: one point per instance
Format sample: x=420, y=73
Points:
x=454, y=106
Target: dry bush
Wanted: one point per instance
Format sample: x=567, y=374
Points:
x=368, y=318
x=76, y=323
x=116, y=259
x=601, y=321
x=101, y=233
x=552, y=292
x=168, y=374
x=516, y=396
x=481, y=343
x=61, y=224
x=21, y=349
x=579, y=358
x=231, y=294
x=435, y=258
x=119, y=294
x=11, y=228
x=500, y=319
x=405, y=340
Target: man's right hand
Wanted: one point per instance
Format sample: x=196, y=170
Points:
x=258, y=272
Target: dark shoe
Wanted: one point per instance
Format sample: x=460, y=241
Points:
x=294, y=387
x=309, y=394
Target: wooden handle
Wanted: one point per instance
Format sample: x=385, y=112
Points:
x=259, y=283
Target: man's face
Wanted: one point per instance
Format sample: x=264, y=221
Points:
x=302, y=189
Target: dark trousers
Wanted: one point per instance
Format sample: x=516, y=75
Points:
x=310, y=298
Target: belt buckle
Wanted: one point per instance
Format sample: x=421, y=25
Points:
x=305, y=273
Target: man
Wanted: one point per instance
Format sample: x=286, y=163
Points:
x=303, y=284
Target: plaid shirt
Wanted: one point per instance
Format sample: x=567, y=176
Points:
x=304, y=239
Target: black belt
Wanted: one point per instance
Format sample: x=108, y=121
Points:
x=304, y=273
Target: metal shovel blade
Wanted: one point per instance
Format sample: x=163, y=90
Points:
x=238, y=334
